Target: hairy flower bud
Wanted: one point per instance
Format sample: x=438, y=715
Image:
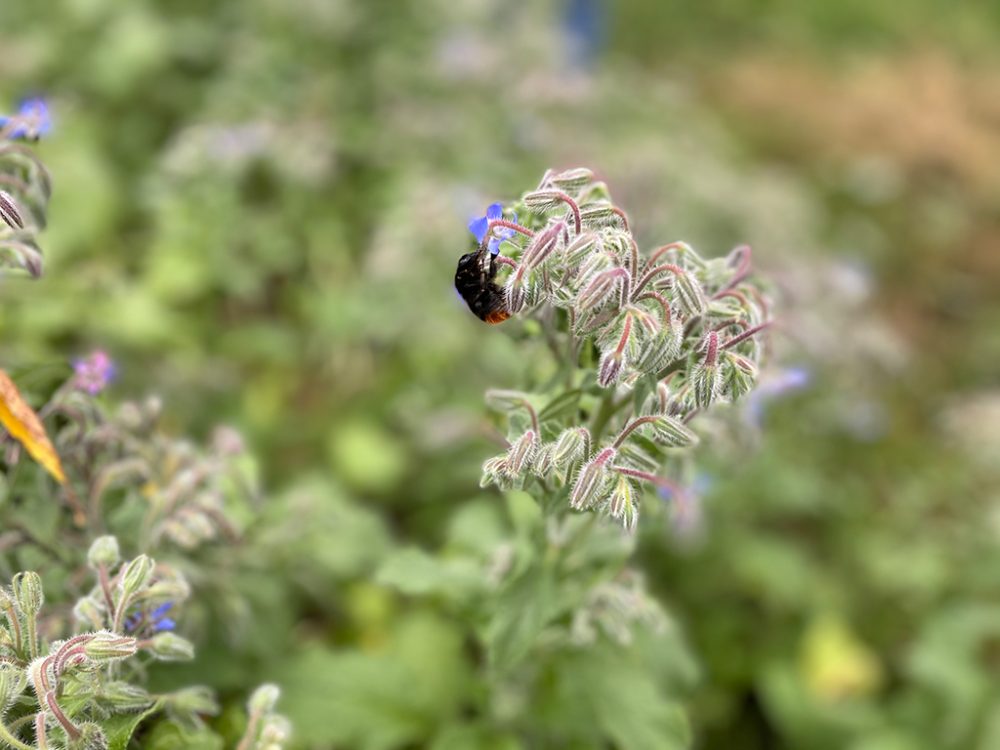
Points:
x=543, y=245
x=592, y=481
x=571, y=180
x=599, y=214
x=192, y=701
x=623, y=503
x=542, y=200
x=137, y=575
x=494, y=471
x=13, y=680
x=671, y=432
x=500, y=400
x=706, y=384
x=264, y=699
x=543, y=464
x=599, y=288
x=275, y=731
x=28, y=594
x=124, y=696
x=571, y=446
x=9, y=211
x=739, y=375
x=610, y=368
x=582, y=247
x=103, y=552
x=689, y=295
x=91, y=737
x=106, y=647
x=661, y=349
x=522, y=452
x=167, y=646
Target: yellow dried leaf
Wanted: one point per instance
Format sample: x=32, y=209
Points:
x=25, y=427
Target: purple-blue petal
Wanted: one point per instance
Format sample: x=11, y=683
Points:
x=495, y=211
x=478, y=227
x=494, y=246
x=165, y=624
x=161, y=610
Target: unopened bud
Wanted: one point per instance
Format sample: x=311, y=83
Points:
x=592, y=481
x=661, y=349
x=543, y=245
x=671, y=432
x=91, y=737
x=13, y=680
x=542, y=200
x=599, y=214
x=739, y=376
x=599, y=288
x=9, y=211
x=27, y=589
x=192, y=701
x=169, y=647
x=276, y=731
x=522, y=452
x=124, y=696
x=571, y=446
x=106, y=647
x=571, y=180
x=582, y=247
x=103, y=552
x=493, y=470
x=137, y=575
x=689, y=295
x=706, y=384
x=264, y=699
x=543, y=464
x=517, y=291
x=623, y=503
x=610, y=368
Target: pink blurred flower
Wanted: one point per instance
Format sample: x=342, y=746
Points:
x=94, y=372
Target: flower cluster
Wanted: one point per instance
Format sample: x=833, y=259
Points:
x=646, y=342
x=24, y=187
x=63, y=692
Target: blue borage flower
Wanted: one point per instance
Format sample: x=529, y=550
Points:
x=479, y=226
x=772, y=387
x=31, y=121
x=157, y=619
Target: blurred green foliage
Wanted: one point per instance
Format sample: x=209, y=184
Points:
x=257, y=210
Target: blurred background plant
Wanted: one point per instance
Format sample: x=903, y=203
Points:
x=258, y=211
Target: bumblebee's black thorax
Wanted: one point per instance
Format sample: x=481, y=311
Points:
x=474, y=281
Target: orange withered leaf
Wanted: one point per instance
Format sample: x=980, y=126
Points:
x=24, y=426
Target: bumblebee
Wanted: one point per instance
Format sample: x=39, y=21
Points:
x=474, y=280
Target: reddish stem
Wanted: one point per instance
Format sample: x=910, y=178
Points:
x=572, y=204
x=632, y=427
x=648, y=276
x=509, y=225
x=746, y=334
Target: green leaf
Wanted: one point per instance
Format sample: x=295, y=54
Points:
x=523, y=608
x=415, y=572
x=120, y=728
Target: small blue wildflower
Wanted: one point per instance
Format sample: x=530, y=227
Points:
x=157, y=619
x=688, y=511
x=772, y=387
x=479, y=226
x=31, y=121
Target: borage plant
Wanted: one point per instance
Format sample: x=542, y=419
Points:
x=643, y=343
x=74, y=672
